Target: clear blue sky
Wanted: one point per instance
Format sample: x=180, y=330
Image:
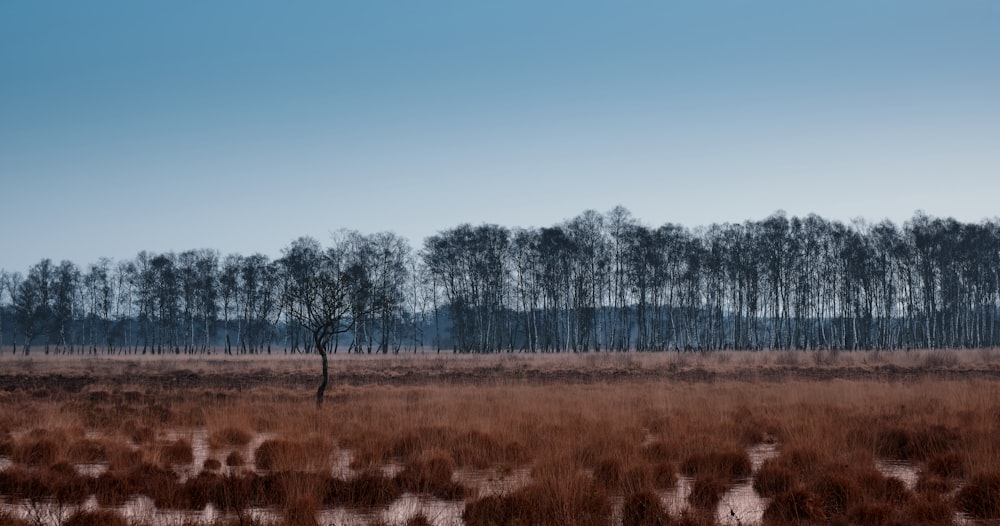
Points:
x=241, y=125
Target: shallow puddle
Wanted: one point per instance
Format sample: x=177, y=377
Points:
x=740, y=505
x=95, y=469
x=438, y=512
x=901, y=470
x=492, y=482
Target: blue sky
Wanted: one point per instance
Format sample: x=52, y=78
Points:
x=239, y=126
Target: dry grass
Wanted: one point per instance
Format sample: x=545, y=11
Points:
x=591, y=446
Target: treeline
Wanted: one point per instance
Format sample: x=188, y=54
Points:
x=596, y=282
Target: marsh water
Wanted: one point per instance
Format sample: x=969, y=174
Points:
x=740, y=505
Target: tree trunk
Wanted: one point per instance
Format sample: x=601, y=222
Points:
x=326, y=376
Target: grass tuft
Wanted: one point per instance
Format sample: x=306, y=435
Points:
x=728, y=465
x=980, y=496
x=95, y=518
x=707, y=491
x=280, y=455
x=796, y=506
x=177, y=453
x=644, y=508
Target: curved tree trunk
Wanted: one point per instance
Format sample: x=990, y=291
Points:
x=326, y=377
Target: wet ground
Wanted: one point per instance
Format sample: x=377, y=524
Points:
x=740, y=505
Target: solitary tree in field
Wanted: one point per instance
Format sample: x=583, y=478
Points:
x=324, y=293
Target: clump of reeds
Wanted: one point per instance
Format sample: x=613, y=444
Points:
x=6, y=446
x=138, y=433
x=946, y=465
x=795, y=506
x=58, y=482
x=124, y=458
x=707, y=490
x=111, y=489
x=478, y=449
x=836, y=491
x=87, y=450
x=915, y=442
x=235, y=459
x=575, y=501
x=728, y=464
x=177, y=453
x=159, y=484
x=300, y=512
x=229, y=436
x=33, y=451
x=774, y=476
x=431, y=474
x=980, y=496
x=280, y=455
x=661, y=458
x=9, y=519
x=927, y=509
x=368, y=489
x=95, y=518
x=418, y=519
x=644, y=508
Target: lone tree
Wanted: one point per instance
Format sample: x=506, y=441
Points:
x=325, y=292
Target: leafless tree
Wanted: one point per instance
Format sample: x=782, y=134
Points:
x=323, y=294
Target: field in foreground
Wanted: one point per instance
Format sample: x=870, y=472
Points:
x=718, y=438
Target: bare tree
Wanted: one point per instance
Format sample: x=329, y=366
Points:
x=324, y=292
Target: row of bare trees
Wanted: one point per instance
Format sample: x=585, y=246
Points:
x=197, y=301
x=609, y=282
x=595, y=282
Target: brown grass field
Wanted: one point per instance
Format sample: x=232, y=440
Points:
x=907, y=437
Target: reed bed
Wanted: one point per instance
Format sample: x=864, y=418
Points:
x=598, y=452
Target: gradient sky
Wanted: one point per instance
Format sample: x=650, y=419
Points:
x=239, y=126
